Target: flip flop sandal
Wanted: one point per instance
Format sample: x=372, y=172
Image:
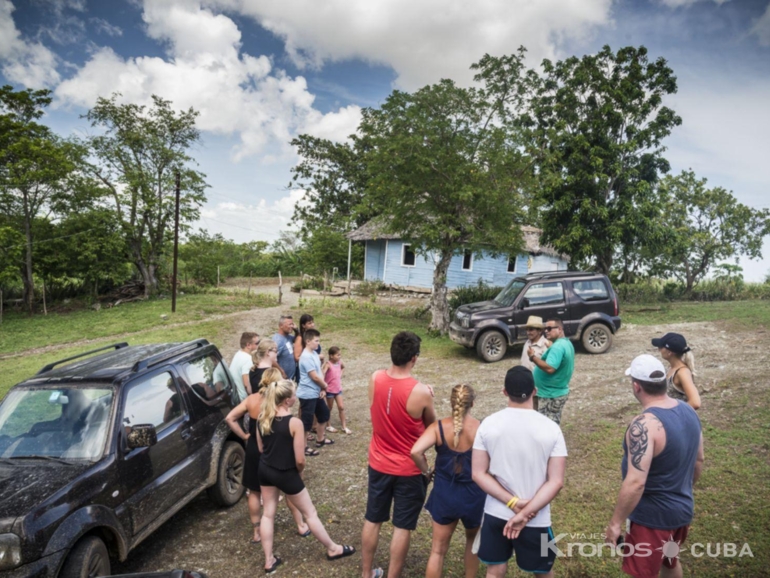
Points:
x=253, y=541
x=348, y=431
x=275, y=565
x=326, y=442
x=378, y=573
x=306, y=534
x=331, y=429
x=312, y=453
x=346, y=551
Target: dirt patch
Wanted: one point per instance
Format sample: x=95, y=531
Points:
x=216, y=541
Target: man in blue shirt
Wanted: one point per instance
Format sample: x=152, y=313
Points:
x=311, y=391
x=662, y=459
x=284, y=341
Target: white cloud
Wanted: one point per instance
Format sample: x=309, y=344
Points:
x=426, y=40
x=104, y=27
x=245, y=222
x=761, y=28
x=680, y=3
x=235, y=93
x=27, y=63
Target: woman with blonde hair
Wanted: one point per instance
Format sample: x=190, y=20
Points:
x=252, y=406
x=679, y=379
x=264, y=357
x=281, y=439
x=455, y=495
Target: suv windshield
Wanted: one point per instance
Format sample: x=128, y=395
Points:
x=508, y=295
x=55, y=423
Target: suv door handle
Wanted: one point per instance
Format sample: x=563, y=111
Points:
x=185, y=433
x=560, y=311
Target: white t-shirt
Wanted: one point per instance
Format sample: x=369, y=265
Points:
x=519, y=443
x=240, y=366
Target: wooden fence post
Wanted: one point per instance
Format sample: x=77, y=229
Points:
x=217, y=276
x=280, y=288
x=248, y=293
x=45, y=309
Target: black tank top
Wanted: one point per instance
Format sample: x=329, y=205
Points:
x=255, y=376
x=279, y=446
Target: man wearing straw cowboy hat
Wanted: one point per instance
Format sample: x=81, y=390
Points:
x=535, y=341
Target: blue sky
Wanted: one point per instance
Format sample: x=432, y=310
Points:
x=263, y=71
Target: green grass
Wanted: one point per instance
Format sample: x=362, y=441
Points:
x=734, y=313
x=20, y=332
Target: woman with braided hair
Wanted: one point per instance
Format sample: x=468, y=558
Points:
x=455, y=495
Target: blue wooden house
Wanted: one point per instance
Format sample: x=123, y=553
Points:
x=390, y=260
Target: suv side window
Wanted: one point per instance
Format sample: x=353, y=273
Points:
x=593, y=290
x=155, y=400
x=208, y=377
x=544, y=294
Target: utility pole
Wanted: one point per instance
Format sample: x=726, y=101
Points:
x=176, y=246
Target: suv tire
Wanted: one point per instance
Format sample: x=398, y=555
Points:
x=228, y=488
x=89, y=558
x=491, y=346
x=596, y=338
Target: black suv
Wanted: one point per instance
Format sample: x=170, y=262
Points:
x=585, y=302
x=97, y=454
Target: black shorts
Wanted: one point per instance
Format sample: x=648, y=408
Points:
x=407, y=493
x=531, y=555
x=313, y=407
x=288, y=481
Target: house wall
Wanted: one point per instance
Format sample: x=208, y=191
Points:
x=547, y=263
x=374, y=266
x=383, y=261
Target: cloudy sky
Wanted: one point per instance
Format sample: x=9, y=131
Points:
x=262, y=71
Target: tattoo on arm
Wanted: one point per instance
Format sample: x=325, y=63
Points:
x=639, y=441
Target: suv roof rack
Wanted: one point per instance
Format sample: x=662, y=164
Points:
x=559, y=274
x=169, y=353
x=50, y=366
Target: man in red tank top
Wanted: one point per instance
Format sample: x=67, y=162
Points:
x=401, y=407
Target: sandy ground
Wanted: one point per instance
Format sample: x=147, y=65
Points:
x=216, y=541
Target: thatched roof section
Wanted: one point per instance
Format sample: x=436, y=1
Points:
x=373, y=230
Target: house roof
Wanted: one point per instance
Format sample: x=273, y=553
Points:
x=374, y=230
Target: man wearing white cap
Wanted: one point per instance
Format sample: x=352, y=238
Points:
x=662, y=459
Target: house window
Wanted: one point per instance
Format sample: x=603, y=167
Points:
x=467, y=261
x=512, y=263
x=407, y=256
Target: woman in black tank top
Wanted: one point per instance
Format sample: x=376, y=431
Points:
x=281, y=439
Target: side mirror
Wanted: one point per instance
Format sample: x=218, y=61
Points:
x=524, y=304
x=142, y=435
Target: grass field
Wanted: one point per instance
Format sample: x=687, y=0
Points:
x=732, y=497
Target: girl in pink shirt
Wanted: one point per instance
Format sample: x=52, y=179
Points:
x=333, y=376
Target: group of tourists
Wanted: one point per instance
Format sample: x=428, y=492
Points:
x=498, y=476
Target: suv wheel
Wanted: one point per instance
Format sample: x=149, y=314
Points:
x=88, y=559
x=597, y=338
x=491, y=346
x=228, y=488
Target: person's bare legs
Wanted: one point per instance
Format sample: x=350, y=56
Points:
x=255, y=513
x=330, y=405
x=341, y=410
x=320, y=432
x=370, y=537
x=269, y=504
x=499, y=570
x=442, y=535
x=471, y=559
x=302, y=527
x=305, y=505
x=675, y=572
x=399, y=546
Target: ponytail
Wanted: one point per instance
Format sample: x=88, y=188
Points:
x=276, y=393
x=689, y=360
x=270, y=375
x=461, y=400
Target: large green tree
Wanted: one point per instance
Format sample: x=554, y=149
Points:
x=596, y=125
x=705, y=226
x=446, y=174
x=135, y=156
x=35, y=169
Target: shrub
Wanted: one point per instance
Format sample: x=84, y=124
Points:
x=369, y=288
x=472, y=294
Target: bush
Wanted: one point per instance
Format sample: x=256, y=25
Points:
x=472, y=294
x=659, y=291
x=369, y=288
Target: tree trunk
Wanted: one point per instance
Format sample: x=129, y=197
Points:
x=148, y=277
x=27, y=279
x=604, y=263
x=439, y=306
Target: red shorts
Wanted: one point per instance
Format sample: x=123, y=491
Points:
x=651, y=550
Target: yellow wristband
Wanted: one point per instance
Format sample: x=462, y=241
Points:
x=512, y=503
